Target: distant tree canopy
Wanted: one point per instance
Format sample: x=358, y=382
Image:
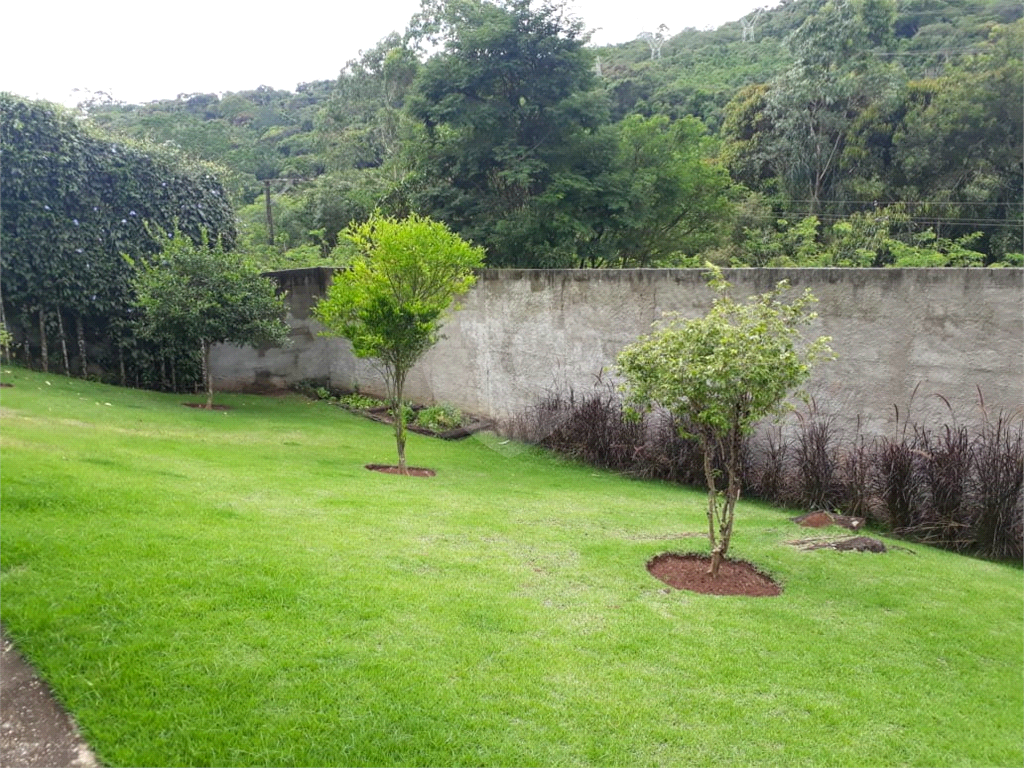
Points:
x=498, y=118
x=74, y=203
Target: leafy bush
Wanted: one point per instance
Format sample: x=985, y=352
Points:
x=6, y=339
x=440, y=418
x=357, y=402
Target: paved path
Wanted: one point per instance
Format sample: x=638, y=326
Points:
x=35, y=731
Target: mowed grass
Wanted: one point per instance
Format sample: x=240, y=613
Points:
x=236, y=589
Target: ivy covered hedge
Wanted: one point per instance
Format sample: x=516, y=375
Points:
x=72, y=205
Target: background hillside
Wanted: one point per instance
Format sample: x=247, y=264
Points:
x=861, y=133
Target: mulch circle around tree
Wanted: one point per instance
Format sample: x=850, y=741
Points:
x=202, y=406
x=689, y=571
x=4, y=384
x=391, y=469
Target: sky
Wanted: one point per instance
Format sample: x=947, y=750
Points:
x=145, y=50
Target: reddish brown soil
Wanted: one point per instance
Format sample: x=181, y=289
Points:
x=821, y=519
x=689, y=571
x=5, y=384
x=390, y=469
x=202, y=406
x=814, y=520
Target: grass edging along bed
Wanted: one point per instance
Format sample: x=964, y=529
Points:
x=239, y=590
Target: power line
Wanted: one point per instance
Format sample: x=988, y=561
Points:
x=836, y=217
x=881, y=204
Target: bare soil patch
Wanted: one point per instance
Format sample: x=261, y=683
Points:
x=689, y=571
x=4, y=384
x=202, y=407
x=34, y=729
x=821, y=519
x=391, y=469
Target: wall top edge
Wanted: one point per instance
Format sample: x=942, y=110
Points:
x=700, y=270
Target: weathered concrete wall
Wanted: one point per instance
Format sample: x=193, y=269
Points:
x=522, y=333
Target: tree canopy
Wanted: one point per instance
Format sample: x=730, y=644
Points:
x=500, y=119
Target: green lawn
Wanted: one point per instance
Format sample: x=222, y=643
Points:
x=234, y=588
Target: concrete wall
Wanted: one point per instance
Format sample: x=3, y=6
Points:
x=522, y=333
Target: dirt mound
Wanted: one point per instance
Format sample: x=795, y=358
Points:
x=820, y=519
x=689, y=571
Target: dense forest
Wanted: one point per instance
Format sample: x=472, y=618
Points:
x=818, y=133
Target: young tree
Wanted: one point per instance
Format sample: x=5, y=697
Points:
x=198, y=295
x=718, y=376
x=392, y=300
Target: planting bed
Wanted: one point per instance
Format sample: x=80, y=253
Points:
x=689, y=571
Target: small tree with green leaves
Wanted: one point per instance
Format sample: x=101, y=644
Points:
x=718, y=376
x=197, y=295
x=393, y=299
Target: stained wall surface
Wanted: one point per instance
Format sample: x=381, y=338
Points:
x=942, y=333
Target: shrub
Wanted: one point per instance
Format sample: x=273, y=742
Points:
x=996, y=490
x=440, y=418
x=357, y=402
x=816, y=461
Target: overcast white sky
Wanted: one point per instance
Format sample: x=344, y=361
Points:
x=146, y=50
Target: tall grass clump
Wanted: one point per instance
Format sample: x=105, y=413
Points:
x=995, y=489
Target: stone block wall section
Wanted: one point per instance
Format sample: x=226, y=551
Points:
x=522, y=333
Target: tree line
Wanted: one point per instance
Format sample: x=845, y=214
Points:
x=864, y=133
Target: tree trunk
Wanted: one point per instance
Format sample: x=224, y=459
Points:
x=80, y=333
x=26, y=346
x=399, y=416
x=120, y=364
x=732, y=495
x=207, y=376
x=270, y=212
x=709, y=477
x=44, y=350
x=63, y=342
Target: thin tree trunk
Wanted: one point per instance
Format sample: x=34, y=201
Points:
x=43, y=348
x=732, y=495
x=26, y=346
x=174, y=375
x=63, y=342
x=399, y=416
x=120, y=363
x=709, y=478
x=80, y=332
x=207, y=376
x=270, y=212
